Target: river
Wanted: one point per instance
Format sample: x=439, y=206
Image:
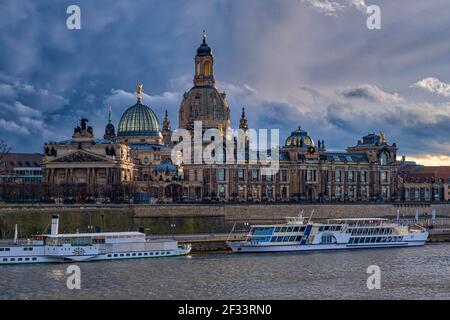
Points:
x=406, y=273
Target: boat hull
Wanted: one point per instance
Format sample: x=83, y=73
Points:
x=180, y=251
x=243, y=247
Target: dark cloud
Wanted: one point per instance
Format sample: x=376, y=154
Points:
x=286, y=62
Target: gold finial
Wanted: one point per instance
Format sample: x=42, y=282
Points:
x=383, y=137
x=139, y=91
x=220, y=127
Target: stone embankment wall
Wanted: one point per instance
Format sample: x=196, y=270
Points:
x=188, y=219
x=236, y=212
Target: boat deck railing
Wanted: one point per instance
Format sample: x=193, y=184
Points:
x=426, y=222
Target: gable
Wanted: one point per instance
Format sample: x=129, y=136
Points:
x=80, y=156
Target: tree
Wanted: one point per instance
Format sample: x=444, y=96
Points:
x=4, y=149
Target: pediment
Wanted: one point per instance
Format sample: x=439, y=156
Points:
x=81, y=156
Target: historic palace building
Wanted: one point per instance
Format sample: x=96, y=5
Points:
x=135, y=162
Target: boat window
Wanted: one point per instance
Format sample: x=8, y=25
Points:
x=262, y=231
x=12, y=259
x=4, y=259
x=290, y=229
x=378, y=239
x=351, y=240
x=285, y=239
x=283, y=229
x=139, y=254
x=279, y=239
x=327, y=238
x=372, y=240
x=277, y=229
x=302, y=229
x=1, y=249
x=34, y=259
x=326, y=228
x=320, y=229
x=274, y=239
x=7, y=249
x=296, y=229
x=338, y=228
x=298, y=238
x=292, y=238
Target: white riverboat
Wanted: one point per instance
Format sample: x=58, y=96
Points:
x=298, y=235
x=77, y=247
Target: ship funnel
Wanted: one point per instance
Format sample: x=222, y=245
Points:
x=55, y=224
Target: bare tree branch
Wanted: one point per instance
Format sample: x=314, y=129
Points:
x=4, y=149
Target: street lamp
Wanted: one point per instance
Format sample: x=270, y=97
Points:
x=173, y=225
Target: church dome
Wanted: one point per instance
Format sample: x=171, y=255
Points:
x=299, y=138
x=138, y=120
x=206, y=104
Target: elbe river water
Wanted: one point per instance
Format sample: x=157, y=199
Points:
x=406, y=273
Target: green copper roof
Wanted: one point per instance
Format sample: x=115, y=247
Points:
x=138, y=120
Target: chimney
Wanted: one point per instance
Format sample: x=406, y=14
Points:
x=55, y=224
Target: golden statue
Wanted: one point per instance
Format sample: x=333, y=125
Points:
x=383, y=137
x=139, y=91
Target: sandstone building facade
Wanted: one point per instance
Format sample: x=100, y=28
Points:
x=138, y=158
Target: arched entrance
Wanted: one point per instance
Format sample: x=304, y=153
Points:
x=311, y=194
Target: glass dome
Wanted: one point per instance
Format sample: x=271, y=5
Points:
x=138, y=120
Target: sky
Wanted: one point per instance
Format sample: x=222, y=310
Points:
x=290, y=63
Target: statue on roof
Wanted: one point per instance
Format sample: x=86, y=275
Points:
x=84, y=122
x=383, y=137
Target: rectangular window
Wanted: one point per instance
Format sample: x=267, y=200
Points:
x=363, y=176
x=255, y=174
x=337, y=175
x=383, y=177
x=337, y=192
x=384, y=192
x=221, y=191
x=241, y=174
x=351, y=192
x=284, y=175
x=350, y=176
x=221, y=174
x=309, y=175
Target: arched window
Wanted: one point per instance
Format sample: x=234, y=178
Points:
x=207, y=68
x=197, y=68
x=383, y=159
